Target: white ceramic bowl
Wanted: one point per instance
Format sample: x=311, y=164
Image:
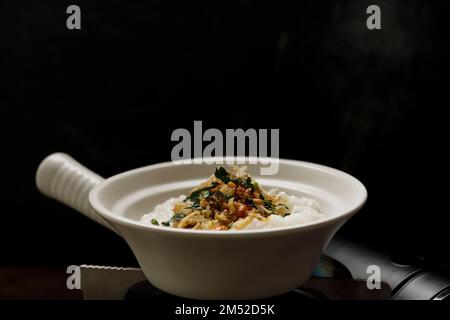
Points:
x=243, y=264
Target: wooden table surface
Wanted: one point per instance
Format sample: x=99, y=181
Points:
x=49, y=283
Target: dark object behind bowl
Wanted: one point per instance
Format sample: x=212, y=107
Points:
x=411, y=278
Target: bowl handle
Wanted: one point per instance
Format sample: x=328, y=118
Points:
x=62, y=178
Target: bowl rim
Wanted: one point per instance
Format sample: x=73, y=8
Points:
x=114, y=218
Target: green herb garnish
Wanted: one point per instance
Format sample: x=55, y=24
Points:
x=222, y=174
x=194, y=197
x=247, y=183
x=154, y=222
x=204, y=193
x=177, y=217
x=268, y=205
x=195, y=207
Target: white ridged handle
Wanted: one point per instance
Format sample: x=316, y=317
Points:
x=62, y=178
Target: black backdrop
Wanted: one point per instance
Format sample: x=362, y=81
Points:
x=371, y=103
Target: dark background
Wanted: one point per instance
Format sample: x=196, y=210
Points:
x=372, y=103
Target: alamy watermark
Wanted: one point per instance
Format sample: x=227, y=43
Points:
x=236, y=146
x=374, y=279
x=73, y=21
x=74, y=279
